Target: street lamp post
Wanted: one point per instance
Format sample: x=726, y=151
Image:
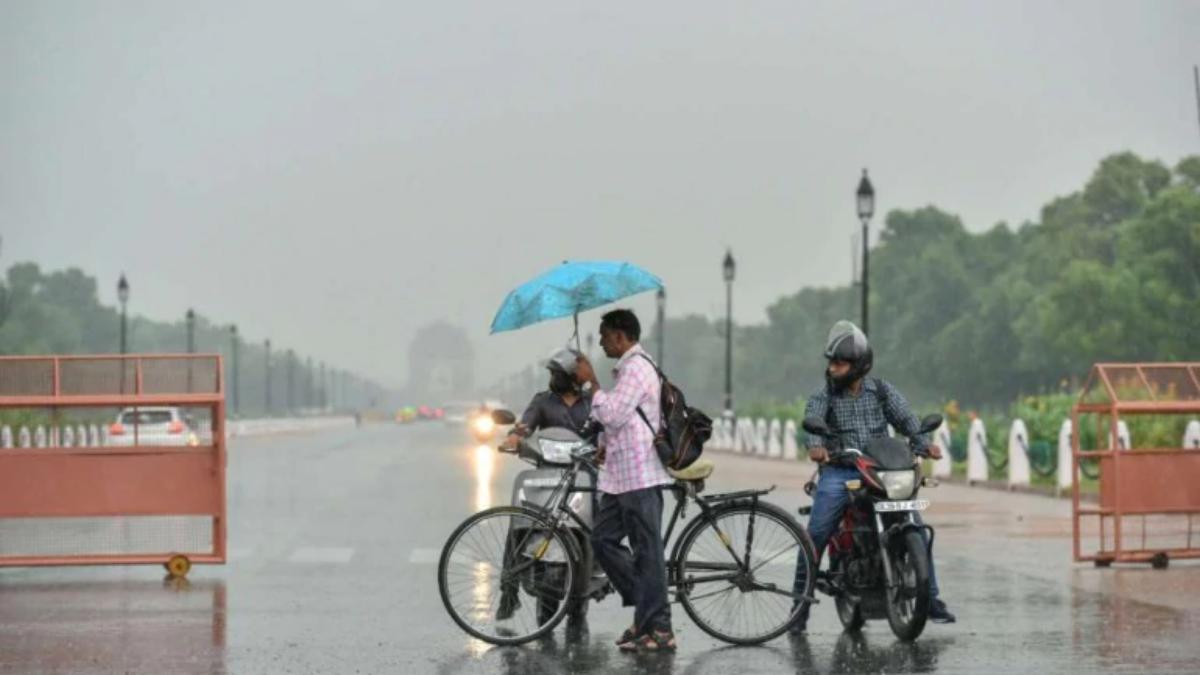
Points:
x=123, y=297
x=233, y=336
x=866, y=209
x=661, y=299
x=267, y=370
x=191, y=331
x=191, y=344
x=730, y=270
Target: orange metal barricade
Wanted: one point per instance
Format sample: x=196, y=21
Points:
x=147, y=499
x=1138, y=484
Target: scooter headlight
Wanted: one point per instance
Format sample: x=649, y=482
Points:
x=558, y=452
x=898, y=484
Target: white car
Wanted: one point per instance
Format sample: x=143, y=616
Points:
x=152, y=426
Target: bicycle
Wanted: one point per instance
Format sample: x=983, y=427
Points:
x=732, y=567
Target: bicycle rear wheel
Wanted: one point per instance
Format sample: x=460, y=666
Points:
x=736, y=583
x=499, y=568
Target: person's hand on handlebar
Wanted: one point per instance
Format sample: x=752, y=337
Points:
x=514, y=437
x=818, y=455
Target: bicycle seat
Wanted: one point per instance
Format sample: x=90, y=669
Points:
x=699, y=470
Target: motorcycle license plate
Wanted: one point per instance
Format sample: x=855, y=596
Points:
x=914, y=505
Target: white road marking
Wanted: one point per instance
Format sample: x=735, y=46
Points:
x=313, y=554
x=424, y=556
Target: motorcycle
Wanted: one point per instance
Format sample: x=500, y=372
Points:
x=880, y=555
x=550, y=452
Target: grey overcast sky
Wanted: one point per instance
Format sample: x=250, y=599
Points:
x=334, y=176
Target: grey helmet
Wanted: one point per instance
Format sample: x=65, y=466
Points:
x=563, y=364
x=848, y=343
x=564, y=360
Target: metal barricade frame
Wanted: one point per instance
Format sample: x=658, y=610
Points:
x=1136, y=481
x=115, y=484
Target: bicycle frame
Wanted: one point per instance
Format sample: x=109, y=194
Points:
x=556, y=510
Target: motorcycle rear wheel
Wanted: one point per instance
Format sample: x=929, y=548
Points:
x=849, y=612
x=908, y=603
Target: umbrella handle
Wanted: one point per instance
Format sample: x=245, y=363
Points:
x=576, y=335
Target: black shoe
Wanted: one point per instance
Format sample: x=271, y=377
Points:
x=939, y=613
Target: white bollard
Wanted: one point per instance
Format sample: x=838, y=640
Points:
x=1191, y=435
x=1018, y=455
x=39, y=437
x=730, y=434
x=943, y=467
x=745, y=435
x=81, y=436
x=774, y=440
x=791, y=449
x=760, y=437
x=1065, y=479
x=94, y=436
x=6, y=437
x=1122, y=436
x=24, y=438
x=977, y=465
x=67, y=438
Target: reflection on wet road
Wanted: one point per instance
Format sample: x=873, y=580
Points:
x=334, y=543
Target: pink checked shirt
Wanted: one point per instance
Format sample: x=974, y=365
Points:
x=631, y=463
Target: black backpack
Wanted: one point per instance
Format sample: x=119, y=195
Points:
x=683, y=430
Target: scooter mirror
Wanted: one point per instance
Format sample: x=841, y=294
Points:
x=930, y=423
x=503, y=417
x=816, y=426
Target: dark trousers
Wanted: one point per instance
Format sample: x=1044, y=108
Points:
x=640, y=575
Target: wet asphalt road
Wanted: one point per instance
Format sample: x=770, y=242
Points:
x=334, y=539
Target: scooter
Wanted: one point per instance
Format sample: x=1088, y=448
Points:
x=880, y=555
x=549, y=451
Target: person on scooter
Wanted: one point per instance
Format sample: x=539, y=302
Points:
x=562, y=404
x=859, y=409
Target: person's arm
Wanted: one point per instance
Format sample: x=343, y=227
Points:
x=902, y=419
x=616, y=407
x=816, y=406
x=530, y=422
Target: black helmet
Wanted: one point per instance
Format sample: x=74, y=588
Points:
x=847, y=343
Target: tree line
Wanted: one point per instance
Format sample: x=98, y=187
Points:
x=1110, y=272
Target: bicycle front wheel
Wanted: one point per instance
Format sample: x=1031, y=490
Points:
x=735, y=572
x=505, y=573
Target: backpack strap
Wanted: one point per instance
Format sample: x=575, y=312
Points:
x=661, y=379
x=646, y=420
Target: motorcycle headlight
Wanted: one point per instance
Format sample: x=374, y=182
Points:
x=558, y=452
x=898, y=484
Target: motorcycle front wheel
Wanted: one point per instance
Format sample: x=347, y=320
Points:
x=908, y=600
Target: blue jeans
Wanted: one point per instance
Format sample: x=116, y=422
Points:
x=829, y=503
x=640, y=575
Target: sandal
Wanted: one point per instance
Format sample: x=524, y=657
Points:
x=654, y=641
x=628, y=637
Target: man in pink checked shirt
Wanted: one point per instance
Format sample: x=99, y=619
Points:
x=631, y=502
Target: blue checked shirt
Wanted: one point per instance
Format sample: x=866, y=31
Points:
x=857, y=420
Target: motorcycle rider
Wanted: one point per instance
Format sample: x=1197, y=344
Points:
x=858, y=409
x=562, y=404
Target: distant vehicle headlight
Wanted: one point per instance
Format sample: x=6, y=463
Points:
x=483, y=424
x=898, y=484
x=558, y=452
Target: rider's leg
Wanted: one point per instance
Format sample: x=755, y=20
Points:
x=614, y=558
x=933, y=585
x=829, y=503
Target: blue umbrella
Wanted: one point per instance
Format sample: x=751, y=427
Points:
x=569, y=289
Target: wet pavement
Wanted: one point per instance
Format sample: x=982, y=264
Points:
x=333, y=544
